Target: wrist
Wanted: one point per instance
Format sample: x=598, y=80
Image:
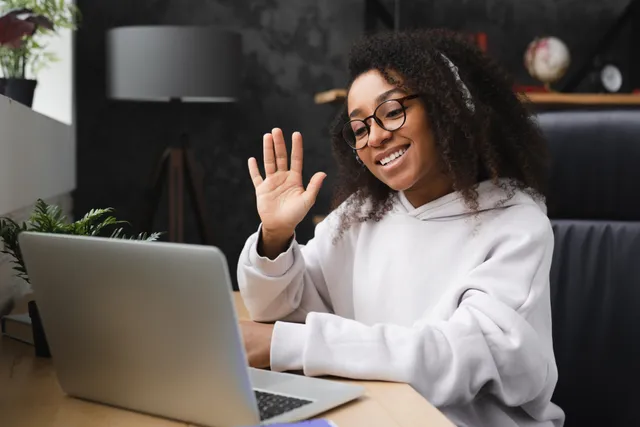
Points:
x=272, y=244
x=288, y=343
x=279, y=235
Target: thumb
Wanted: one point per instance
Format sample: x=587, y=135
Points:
x=313, y=188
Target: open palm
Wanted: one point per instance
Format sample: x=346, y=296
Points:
x=281, y=198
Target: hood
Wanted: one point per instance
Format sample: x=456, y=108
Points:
x=453, y=205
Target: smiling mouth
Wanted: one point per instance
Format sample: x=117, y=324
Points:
x=393, y=156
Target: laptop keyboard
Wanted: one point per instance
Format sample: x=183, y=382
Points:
x=271, y=405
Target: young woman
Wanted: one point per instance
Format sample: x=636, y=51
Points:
x=434, y=267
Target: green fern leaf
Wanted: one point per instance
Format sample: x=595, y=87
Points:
x=148, y=237
x=50, y=219
x=118, y=233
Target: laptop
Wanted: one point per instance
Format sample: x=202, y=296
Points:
x=151, y=327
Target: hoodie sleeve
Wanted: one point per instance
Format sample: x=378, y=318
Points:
x=495, y=339
x=288, y=287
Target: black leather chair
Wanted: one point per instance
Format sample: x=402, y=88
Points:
x=594, y=204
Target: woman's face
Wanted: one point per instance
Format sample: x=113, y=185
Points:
x=405, y=159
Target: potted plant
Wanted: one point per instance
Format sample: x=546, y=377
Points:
x=24, y=26
x=47, y=218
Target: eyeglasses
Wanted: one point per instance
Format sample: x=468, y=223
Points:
x=390, y=116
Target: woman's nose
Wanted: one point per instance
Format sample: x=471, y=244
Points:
x=377, y=134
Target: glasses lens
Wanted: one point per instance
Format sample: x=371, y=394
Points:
x=391, y=114
x=355, y=133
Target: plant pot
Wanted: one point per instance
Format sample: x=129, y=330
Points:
x=39, y=337
x=21, y=90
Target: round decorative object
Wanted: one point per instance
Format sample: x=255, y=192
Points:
x=611, y=78
x=547, y=59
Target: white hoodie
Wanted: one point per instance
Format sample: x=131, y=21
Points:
x=454, y=304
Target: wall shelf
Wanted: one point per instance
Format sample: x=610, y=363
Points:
x=330, y=96
x=540, y=98
x=593, y=99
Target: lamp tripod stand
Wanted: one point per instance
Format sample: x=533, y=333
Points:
x=149, y=63
x=177, y=165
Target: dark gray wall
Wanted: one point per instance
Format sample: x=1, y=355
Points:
x=512, y=24
x=292, y=49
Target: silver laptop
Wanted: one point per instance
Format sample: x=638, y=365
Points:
x=151, y=327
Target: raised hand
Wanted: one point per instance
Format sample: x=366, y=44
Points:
x=281, y=198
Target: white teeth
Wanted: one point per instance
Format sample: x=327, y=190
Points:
x=393, y=156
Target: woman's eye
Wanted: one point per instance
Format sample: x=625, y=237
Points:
x=394, y=113
x=360, y=131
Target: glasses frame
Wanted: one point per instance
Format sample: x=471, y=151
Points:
x=377, y=120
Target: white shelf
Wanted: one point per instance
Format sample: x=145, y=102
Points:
x=37, y=157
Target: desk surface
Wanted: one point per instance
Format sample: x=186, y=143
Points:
x=30, y=396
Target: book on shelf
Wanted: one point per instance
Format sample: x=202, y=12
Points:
x=17, y=327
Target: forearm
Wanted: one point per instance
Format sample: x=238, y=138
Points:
x=282, y=288
x=448, y=363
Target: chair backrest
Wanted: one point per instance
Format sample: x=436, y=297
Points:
x=595, y=274
x=595, y=294
x=595, y=170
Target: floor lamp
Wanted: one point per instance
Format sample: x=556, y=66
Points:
x=177, y=65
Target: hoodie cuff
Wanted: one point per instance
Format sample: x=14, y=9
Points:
x=287, y=346
x=271, y=267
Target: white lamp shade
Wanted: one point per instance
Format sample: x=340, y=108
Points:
x=162, y=63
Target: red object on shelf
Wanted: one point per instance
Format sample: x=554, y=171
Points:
x=525, y=88
x=481, y=41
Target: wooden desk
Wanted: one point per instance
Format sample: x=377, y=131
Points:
x=30, y=397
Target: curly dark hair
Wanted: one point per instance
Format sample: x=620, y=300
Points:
x=499, y=140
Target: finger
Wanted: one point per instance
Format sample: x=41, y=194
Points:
x=254, y=172
x=280, y=149
x=296, y=152
x=267, y=153
x=311, y=193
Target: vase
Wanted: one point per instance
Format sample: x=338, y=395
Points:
x=20, y=90
x=39, y=337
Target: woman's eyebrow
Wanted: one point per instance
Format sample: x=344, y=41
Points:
x=386, y=95
x=380, y=98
